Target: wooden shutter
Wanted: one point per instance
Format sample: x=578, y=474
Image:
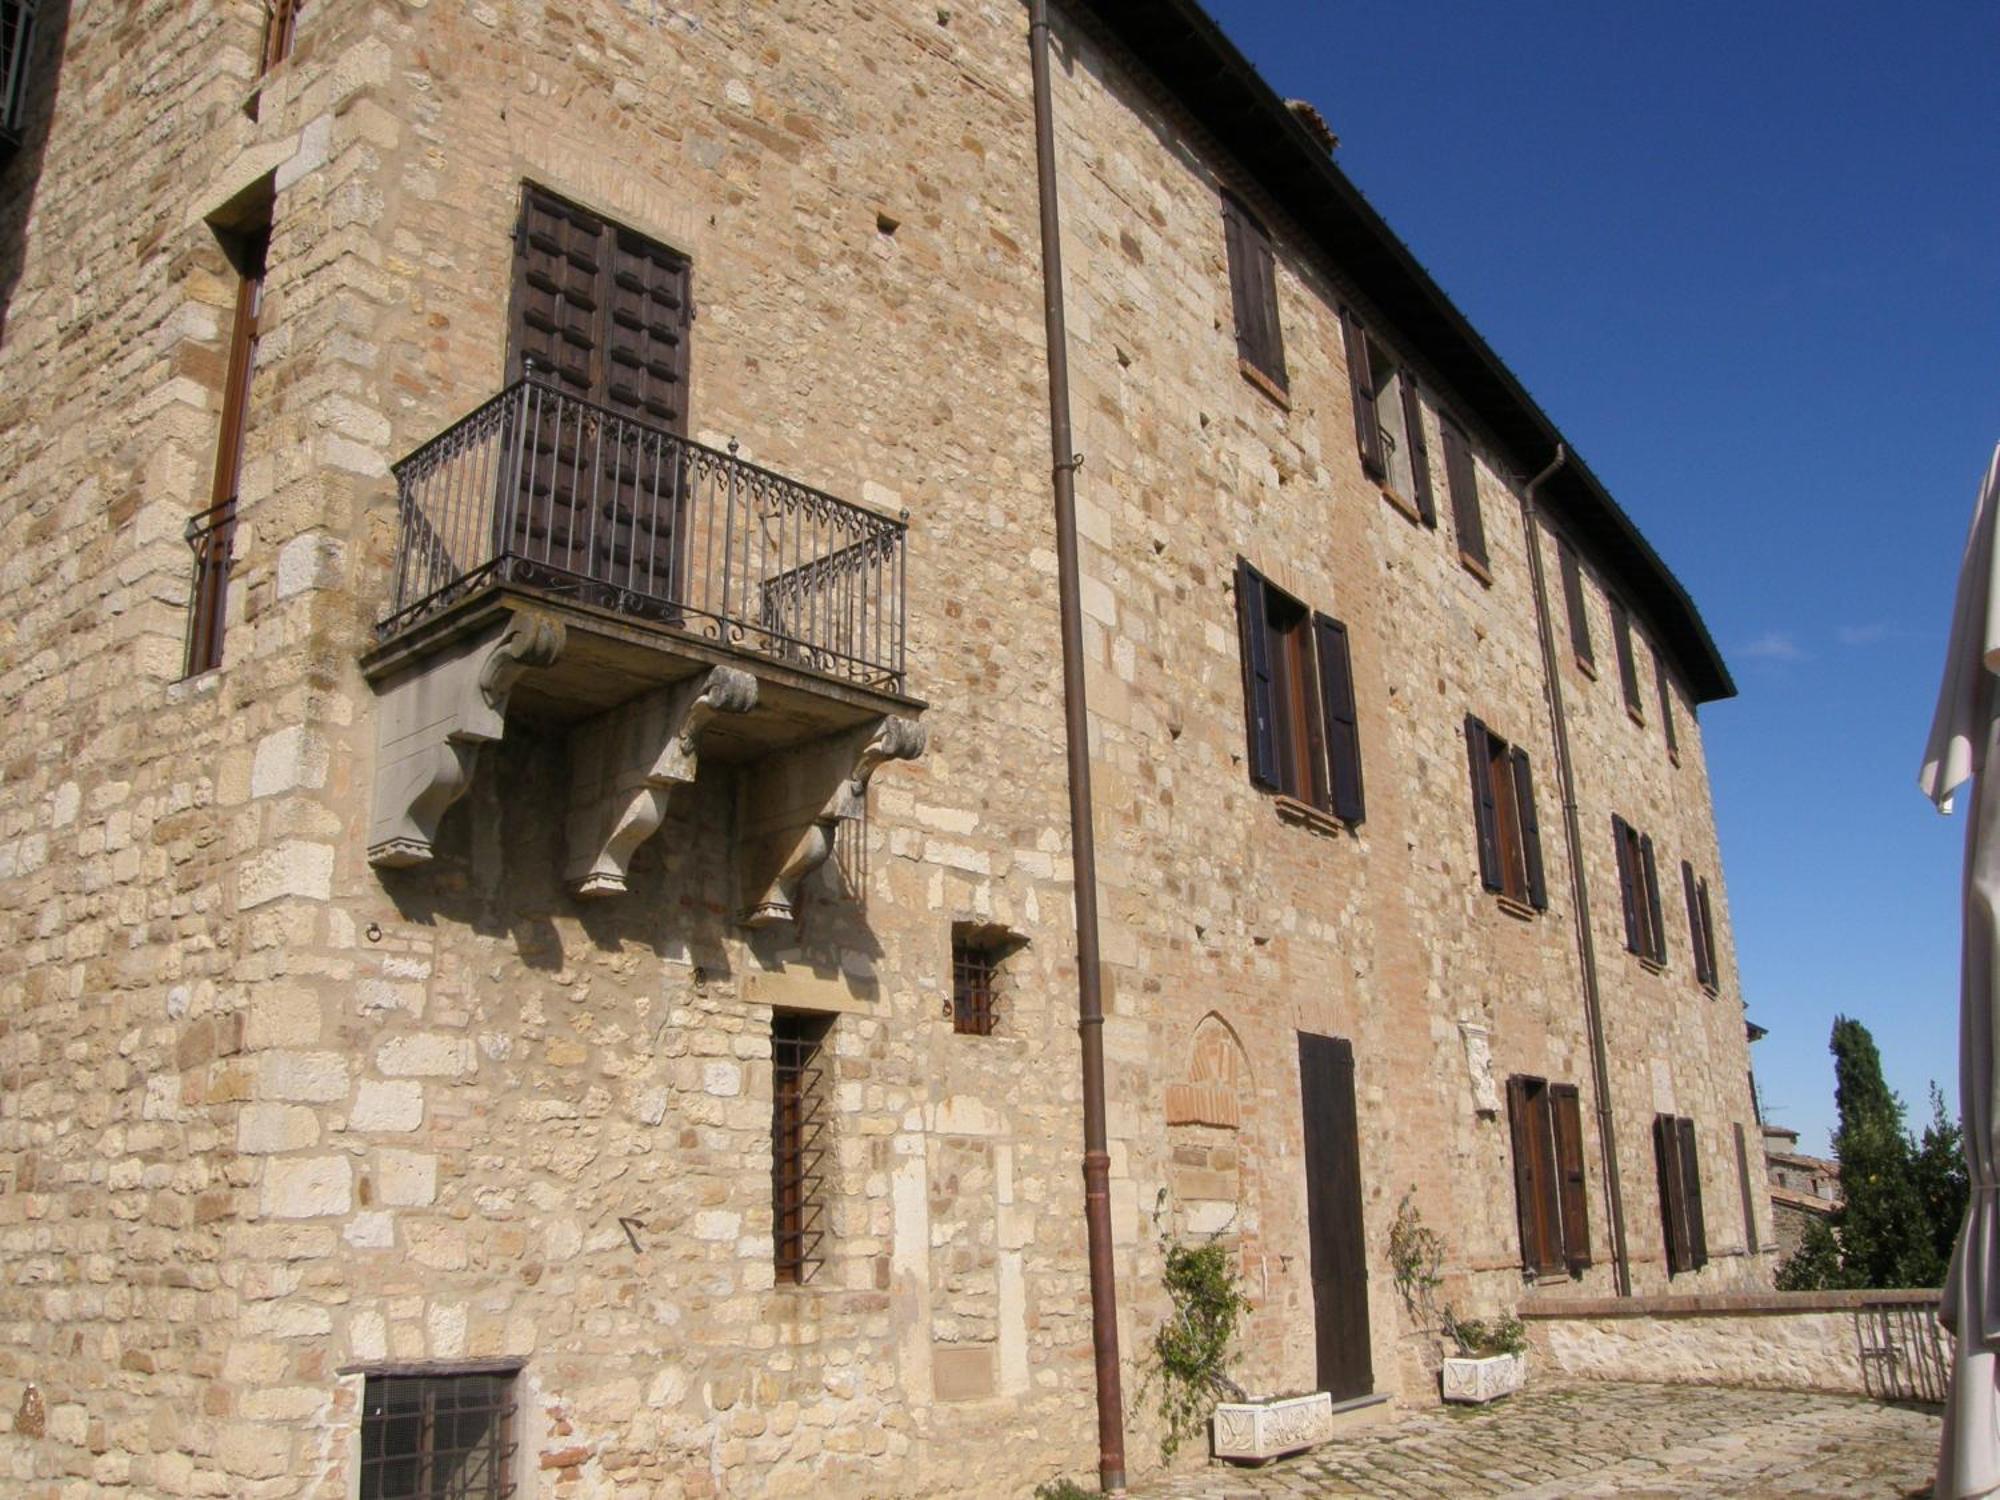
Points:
x=281, y=19
x=1567, y=1117
x=1253, y=291
x=1666, y=707
x=1486, y=832
x=1708, y=935
x=558, y=304
x=1673, y=1211
x=1656, y=935
x=1343, y=731
x=1534, y=1175
x=1367, y=422
x=1579, y=621
x=1420, y=451
x=1621, y=835
x=1531, y=830
x=1697, y=1223
x=1743, y=1187
x=1628, y=668
x=1258, y=693
x=1462, y=479
x=1694, y=921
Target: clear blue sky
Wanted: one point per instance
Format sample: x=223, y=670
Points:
x=1748, y=258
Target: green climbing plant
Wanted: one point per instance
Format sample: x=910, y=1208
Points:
x=1191, y=1349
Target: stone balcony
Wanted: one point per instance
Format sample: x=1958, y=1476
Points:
x=658, y=603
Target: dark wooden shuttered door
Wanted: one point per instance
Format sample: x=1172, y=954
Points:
x=1531, y=831
x=1462, y=479
x=1420, y=451
x=1579, y=622
x=1333, y=1216
x=1696, y=1220
x=1656, y=932
x=1343, y=731
x=1568, y=1119
x=1628, y=877
x=1485, y=821
x=1367, y=422
x=1258, y=708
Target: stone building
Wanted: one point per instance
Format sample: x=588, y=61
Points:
x=1803, y=1188
x=533, y=864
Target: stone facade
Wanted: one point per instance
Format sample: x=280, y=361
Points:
x=276, y=1116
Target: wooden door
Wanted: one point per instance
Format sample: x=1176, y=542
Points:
x=1333, y=1216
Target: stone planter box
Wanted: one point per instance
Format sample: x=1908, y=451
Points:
x=1252, y=1431
x=1482, y=1380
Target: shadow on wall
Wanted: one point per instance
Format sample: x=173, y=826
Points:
x=22, y=175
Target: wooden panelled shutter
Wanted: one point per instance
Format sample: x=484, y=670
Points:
x=1628, y=667
x=1579, y=621
x=1531, y=830
x=1697, y=1221
x=1708, y=935
x=281, y=19
x=1343, y=730
x=1621, y=835
x=1367, y=422
x=1673, y=1209
x=1666, y=706
x=1253, y=290
x=1743, y=1187
x=1656, y=932
x=1567, y=1117
x=1527, y=1121
x=1695, y=942
x=1420, y=451
x=1462, y=479
x=1258, y=710
x=1484, y=819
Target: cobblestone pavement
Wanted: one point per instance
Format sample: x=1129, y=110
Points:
x=1659, y=1442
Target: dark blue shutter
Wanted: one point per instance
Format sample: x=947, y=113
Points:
x=1531, y=831
x=1485, y=823
x=1259, y=724
x=1343, y=731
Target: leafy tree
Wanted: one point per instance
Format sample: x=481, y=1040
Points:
x=1941, y=1177
x=1815, y=1266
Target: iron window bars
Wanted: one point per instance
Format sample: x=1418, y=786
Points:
x=437, y=1437
x=798, y=1145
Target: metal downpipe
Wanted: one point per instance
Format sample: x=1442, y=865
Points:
x=1593, y=1007
x=1083, y=849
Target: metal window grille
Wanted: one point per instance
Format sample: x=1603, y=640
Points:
x=211, y=536
x=974, y=967
x=17, y=38
x=437, y=1437
x=799, y=1141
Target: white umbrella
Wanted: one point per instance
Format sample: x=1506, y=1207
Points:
x=1963, y=742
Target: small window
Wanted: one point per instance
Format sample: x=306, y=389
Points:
x=1681, y=1221
x=1506, y=830
x=1628, y=665
x=281, y=20
x=1298, y=690
x=17, y=41
x=978, y=975
x=1579, y=622
x=1701, y=931
x=1547, y=1128
x=799, y=1143
x=1666, y=707
x=1639, y=888
x=1253, y=292
x=1388, y=421
x=1462, y=478
x=425, y=1436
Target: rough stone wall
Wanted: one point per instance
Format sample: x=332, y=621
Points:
x=271, y=1114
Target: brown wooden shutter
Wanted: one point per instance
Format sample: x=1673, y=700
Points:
x=1673, y=1213
x=1656, y=935
x=1621, y=835
x=558, y=304
x=1343, y=731
x=1708, y=935
x=1253, y=291
x=1367, y=422
x=1666, y=707
x=1628, y=668
x=1486, y=832
x=1258, y=693
x=1694, y=922
x=1531, y=830
x=1568, y=1120
x=281, y=19
x=1743, y=1187
x=1579, y=621
x=1420, y=451
x=1697, y=1221
x=1462, y=479
x=1527, y=1121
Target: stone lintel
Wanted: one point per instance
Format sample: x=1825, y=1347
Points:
x=431, y=722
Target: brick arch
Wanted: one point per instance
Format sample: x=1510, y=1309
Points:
x=1218, y=1075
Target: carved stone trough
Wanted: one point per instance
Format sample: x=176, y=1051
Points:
x=1253, y=1431
x=1477, y=1381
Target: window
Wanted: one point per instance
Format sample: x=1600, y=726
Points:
x=438, y=1437
x=1388, y=421
x=1628, y=666
x=1548, y=1176
x=212, y=533
x=1298, y=694
x=1503, y=810
x=1253, y=293
x=1579, y=622
x=17, y=40
x=1462, y=479
x=1639, y=886
x=1666, y=707
x=1681, y=1223
x=1701, y=930
x=978, y=956
x=281, y=19
x=798, y=1143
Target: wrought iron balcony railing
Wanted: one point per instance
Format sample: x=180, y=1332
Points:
x=545, y=491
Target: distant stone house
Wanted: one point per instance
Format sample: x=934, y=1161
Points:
x=1803, y=1188
x=533, y=858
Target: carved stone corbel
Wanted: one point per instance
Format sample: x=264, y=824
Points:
x=624, y=765
x=793, y=803
x=431, y=723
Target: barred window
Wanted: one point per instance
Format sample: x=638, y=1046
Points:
x=799, y=1143
x=438, y=1437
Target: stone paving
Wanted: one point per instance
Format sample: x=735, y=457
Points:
x=1660, y=1442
